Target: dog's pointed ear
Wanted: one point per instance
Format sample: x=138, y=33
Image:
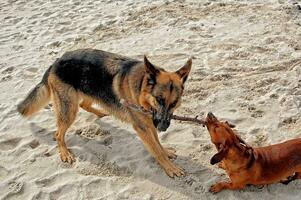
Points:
x=219, y=156
x=183, y=72
x=150, y=68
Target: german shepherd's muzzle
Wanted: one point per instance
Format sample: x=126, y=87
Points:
x=161, y=118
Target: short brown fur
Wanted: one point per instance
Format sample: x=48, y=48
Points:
x=247, y=165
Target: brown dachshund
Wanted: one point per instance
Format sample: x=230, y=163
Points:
x=247, y=165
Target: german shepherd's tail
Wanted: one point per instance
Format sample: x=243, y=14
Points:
x=38, y=97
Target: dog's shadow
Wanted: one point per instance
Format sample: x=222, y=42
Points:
x=119, y=152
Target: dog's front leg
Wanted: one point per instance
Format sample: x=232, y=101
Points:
x=221, y=165
x=155, y=149
x=170, y=152
x=217, y=187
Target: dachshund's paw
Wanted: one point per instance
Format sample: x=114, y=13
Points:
x=221, y=165
x=216, y=188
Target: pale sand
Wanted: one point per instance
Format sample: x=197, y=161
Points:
x=246, y=69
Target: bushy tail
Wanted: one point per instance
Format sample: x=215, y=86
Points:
x=35, y=100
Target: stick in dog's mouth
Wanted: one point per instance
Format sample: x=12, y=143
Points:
x=175, y=117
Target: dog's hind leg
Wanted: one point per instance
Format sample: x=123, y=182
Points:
x=289, y=179
x=66, y=107
x=296, y=175
x=87, y=105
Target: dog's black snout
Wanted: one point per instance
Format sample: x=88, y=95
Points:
x=156, y=122
x=163, y=126
x=161, y=119
x=210, y=115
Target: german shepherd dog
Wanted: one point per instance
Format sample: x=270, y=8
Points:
x=86, y=76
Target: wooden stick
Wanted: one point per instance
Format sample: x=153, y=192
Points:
x=189, y=119
x=175, y=117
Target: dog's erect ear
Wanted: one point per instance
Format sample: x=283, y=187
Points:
x=150, y=68
x=219, y=155
x=230, y=125
x=184, y=71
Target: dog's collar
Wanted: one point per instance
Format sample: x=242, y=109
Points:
x=134, y=107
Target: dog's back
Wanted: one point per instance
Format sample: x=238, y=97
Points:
x=88, y=71
x=92, y=72
x=282, y=158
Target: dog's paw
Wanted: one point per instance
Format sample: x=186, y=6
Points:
x=66, y=156
x=216, y=188
x=170, y=152
x=173, y=170
x=221, y=165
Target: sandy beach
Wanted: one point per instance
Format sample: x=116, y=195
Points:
x=246, y=69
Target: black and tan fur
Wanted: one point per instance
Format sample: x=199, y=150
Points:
x=87, y=76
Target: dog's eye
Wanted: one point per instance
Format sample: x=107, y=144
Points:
x=150, y=82
x=173, y=104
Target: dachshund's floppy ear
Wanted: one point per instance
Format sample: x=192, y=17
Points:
x=219, y=156
x=230, y=125
x=242, y=142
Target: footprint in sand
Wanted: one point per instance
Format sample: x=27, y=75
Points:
x=32, y=69
x=95, y=132
x=200, y=189
x=51, y=180
x=274, y=96
x=14, y=188
x=17, y=47
x=16, y=20
x=288, y=121
x=220, y=77
x=9, y=144
x=47, y=14
x=34, y=144
x=30, y=72
x=6, y=78
x=254, y=112
x=257, y=114
x=8, y=70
